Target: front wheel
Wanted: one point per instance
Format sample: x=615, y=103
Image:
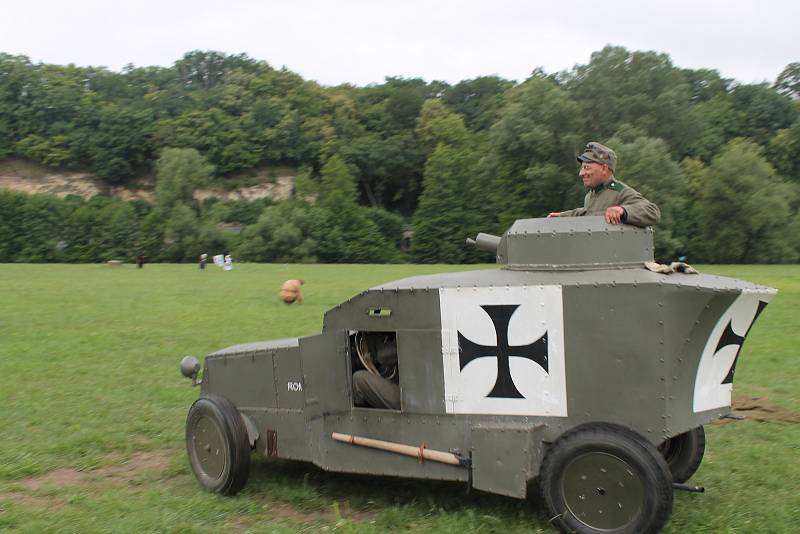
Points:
x=684, y=453
x=606, y=478
x=217, y=445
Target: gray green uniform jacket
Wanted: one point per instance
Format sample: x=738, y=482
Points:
x=638, y=210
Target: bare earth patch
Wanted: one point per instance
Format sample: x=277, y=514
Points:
x=36, y=501
x=760, y=409
x=60, y=478
x=65, y=478
x=137, y=464
x=343, y=510
x=287, y=511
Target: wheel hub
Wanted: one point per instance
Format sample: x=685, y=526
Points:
x=602, y=491
x=208, y=445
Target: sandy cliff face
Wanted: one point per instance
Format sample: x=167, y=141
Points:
x=86, y=186
x=282, y=189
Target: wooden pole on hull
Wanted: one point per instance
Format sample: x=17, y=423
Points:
x=408, y=450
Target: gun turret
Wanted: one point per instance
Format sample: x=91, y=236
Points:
x=571, y=243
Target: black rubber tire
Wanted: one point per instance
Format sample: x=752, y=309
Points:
x=684, y=453
x=648, y=494
x=217, y=445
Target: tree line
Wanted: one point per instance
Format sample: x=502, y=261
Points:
x=716, y=155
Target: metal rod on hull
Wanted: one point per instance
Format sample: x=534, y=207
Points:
x=409, y=450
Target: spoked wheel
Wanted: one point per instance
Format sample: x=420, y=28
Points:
x=604, y=478
x=684, y=453
x=217, y=444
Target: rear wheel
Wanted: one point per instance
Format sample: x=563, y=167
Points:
x=217, y=445
x=605, y=478
x=684, y=453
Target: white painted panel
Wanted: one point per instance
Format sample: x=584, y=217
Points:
x=530, y=312
x=715, y=363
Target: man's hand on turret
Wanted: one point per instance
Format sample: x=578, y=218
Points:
x=615, y=215
x=554, y=214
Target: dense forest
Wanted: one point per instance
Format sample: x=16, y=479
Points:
x=719, y=157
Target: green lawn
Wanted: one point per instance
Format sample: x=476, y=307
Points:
x=92, y=409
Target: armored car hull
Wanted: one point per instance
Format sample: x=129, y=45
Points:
x=569, y=360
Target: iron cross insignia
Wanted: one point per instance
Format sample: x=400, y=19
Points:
x=729, y=337
x=504, y=387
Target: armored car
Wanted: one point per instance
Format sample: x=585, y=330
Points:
x=571, y=362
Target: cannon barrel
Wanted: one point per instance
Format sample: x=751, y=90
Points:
x=487, y=242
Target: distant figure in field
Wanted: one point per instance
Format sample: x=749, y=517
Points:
x=290, y=291
x=140, y=261
x=203, y=259
x=228, y=265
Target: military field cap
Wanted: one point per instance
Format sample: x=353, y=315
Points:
x=599, y=154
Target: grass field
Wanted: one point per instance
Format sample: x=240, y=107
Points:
x=92, y=410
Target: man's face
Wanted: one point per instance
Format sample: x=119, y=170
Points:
x=593, y=174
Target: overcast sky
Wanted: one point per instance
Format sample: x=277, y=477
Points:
x=363, y=41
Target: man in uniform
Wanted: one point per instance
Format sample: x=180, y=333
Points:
x=374, y=391
x=608, y=196
x=377, y=386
